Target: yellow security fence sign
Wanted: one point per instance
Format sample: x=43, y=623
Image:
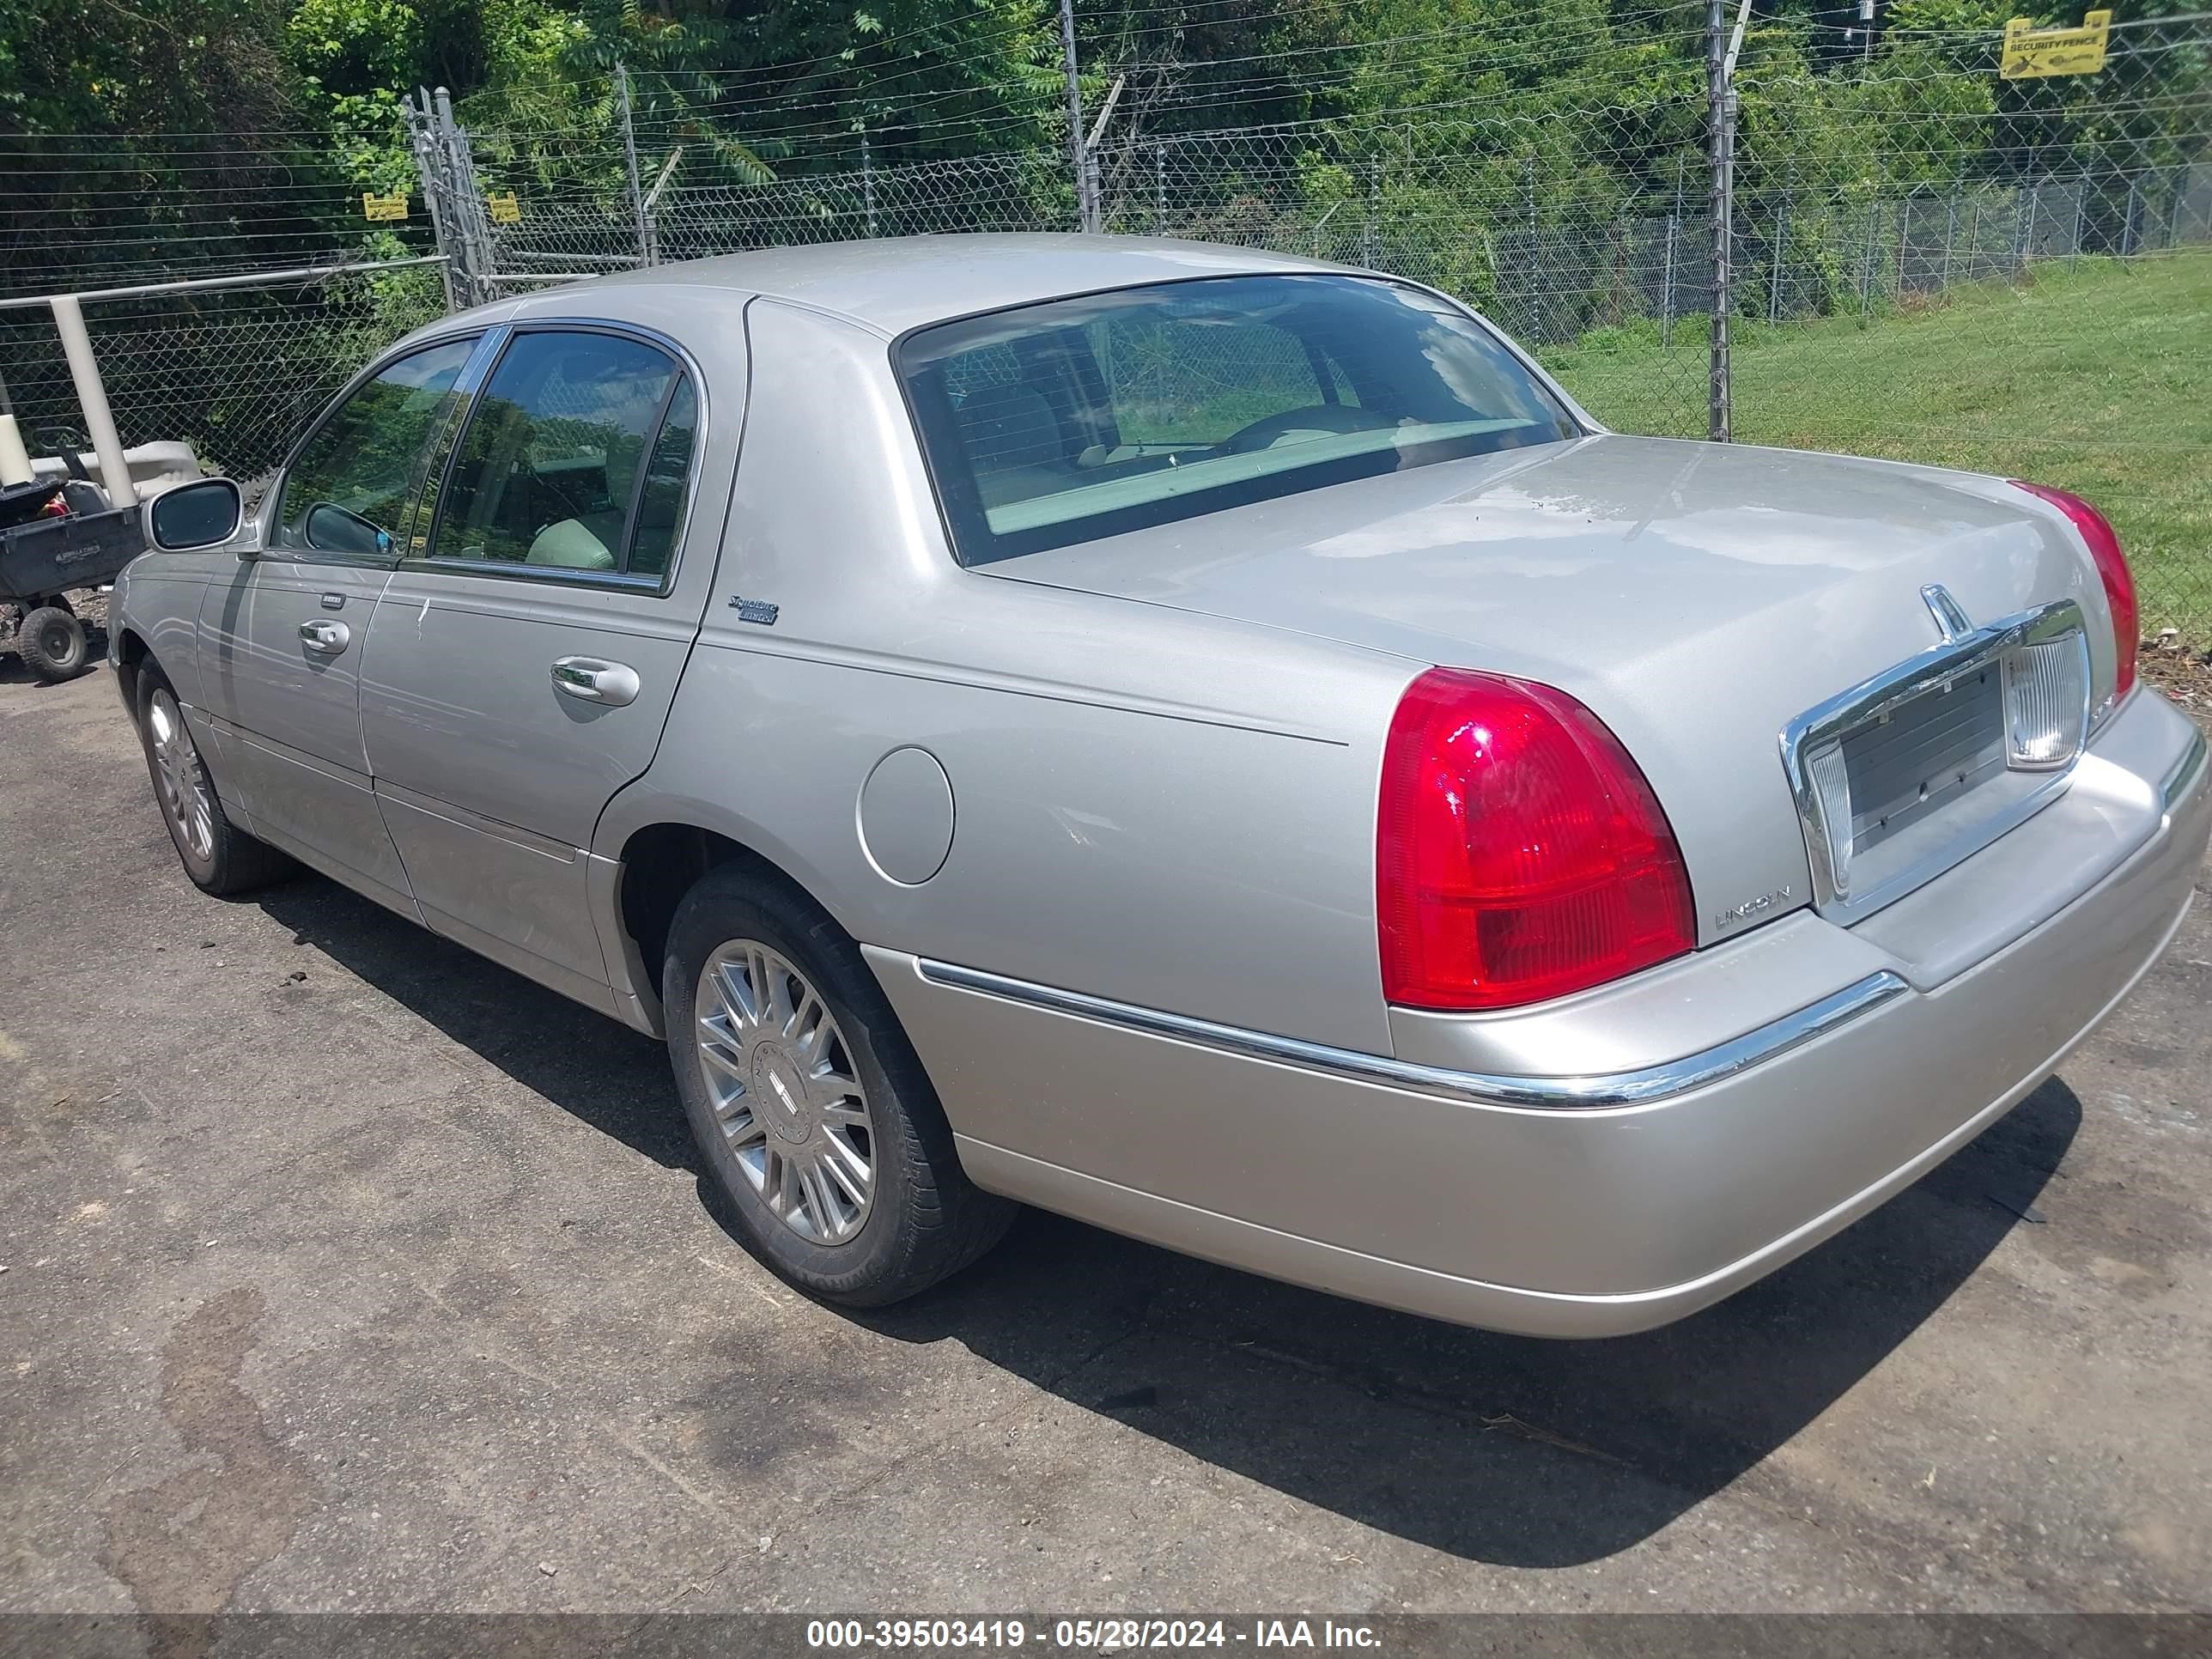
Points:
x=505, y=209
x=383, y=209
x=2030, y=52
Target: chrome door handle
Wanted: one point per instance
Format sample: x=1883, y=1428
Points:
x=590, y=680
x=326, y=639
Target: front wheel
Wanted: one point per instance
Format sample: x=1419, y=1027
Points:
x=221, y=857
x=810, y=1105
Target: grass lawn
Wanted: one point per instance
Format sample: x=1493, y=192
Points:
x=2098, y=379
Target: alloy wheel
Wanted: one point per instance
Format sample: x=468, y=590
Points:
x=785, y=1092
x=182, y=779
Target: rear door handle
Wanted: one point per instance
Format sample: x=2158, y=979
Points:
x=326, y=639
x=588, y=679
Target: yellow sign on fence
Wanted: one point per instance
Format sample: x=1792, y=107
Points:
x=383, y=209
x=2030, y=51
x=505, y=209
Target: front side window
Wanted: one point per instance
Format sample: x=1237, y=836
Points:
x=350, y=490
x=575, y=457
x=1064, y=421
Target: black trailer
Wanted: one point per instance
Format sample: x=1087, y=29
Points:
x=42, y=560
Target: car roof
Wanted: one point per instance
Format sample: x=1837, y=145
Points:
x=895, y=283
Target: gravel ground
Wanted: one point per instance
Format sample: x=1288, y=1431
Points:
x=2184, y=676
x=346, y=1271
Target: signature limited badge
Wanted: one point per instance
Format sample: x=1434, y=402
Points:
x=756, y=611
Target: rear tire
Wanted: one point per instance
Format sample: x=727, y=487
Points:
x=221, y=857
x=808, y=1104
x=53, y=645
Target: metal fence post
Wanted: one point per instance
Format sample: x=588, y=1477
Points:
x=1086, y=186
x=1950, y=235
x=464, y=203
x=629, y=166
x=1669, y=265
x=867, y=184
x=1533, y=318
x=1159, y=187
x=2081, y=204
x=426, y=169
x=1781, y=244
x=1721, y=98
x=1865, y=258
x=1370, y=229
x=2128, y=224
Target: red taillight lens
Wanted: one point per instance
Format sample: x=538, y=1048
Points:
x=2111, y=569
x=1519, y=853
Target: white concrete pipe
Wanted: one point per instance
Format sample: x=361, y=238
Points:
x=14, y=462
x=92, y=398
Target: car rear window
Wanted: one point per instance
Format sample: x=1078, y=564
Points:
x=1069, y=420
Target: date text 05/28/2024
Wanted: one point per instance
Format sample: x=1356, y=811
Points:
x=1086, y=1635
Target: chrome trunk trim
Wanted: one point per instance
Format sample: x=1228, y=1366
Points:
x=1638, y=1088
x=1889, y=689
x=1950, y=618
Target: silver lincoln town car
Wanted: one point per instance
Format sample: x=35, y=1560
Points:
x=1212, y=743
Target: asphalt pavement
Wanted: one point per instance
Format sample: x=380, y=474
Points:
x=344, y=1270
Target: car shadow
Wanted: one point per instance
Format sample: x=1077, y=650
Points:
x=1511, y=1450
x=597, y=1070
x=1516, y=1451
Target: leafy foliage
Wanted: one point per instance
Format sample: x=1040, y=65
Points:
x=246, y=130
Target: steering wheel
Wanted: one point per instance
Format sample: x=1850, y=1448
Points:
x=1315, y=417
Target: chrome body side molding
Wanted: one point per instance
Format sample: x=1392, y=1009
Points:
x=1637, y=1088
x=2187, y=774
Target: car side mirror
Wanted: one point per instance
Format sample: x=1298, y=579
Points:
x=201, y=513
x=333, y=529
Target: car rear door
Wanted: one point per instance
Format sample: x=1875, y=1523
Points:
x=280, y=639
x=520, y=670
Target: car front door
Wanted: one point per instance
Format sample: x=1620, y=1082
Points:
x=520, y=670
x=283, y=636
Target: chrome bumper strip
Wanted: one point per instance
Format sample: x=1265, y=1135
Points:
x=2182, y=782
x=1637, y=1088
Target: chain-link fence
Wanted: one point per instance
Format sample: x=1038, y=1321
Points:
x=1926, y=260
x=1936, y=263
x=232, y=371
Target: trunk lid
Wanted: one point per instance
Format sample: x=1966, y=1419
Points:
x=1696, y=596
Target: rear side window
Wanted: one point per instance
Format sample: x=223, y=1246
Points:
x=1076, y=419
x=668, y=476
x=350, y=490
x=576, y=457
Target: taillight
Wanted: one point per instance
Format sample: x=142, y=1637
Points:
x=1519, y=853
x=2112, y=569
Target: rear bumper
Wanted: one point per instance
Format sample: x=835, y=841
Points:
x=1619, y=1204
